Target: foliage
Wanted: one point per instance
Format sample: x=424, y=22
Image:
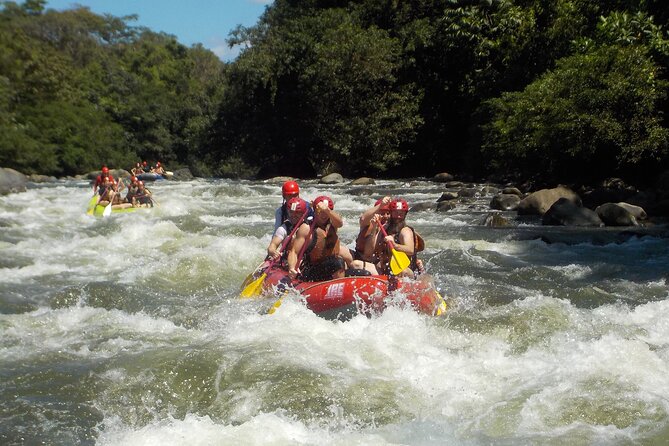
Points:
x=594, y=114
x=566, y=88
x=79, y=90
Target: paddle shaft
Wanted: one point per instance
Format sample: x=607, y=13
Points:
x=285, y=241
x=385, y=234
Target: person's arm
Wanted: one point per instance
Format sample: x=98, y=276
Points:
x=299, y=240
x=277, y=238
x=406, y=244
x=335, y=218
x=366, y=217
x=273, y=248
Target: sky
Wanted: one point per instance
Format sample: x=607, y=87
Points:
x=192, y=21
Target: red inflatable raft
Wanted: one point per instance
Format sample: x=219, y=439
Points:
x=345, y=297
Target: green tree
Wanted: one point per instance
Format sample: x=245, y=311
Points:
x=595, y=114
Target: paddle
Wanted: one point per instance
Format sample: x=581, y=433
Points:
x=277, y=304
x=92, y=203
x=254, y=288
x=399, y=261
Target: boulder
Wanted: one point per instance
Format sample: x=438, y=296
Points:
x=540, y=201
x=333, y=178
x=505, y=202
x=512, y=191
x=35, y=178
x=11, y=181
x=362, y=181
x=444, y=206
x=447, y=196
x=183, y=174
x=469, y=193
x=489, y=190
x=613, y=214
x=637, y=211
x=495, y=220
x=273, y=180
x=443, y=177
x=565, y=212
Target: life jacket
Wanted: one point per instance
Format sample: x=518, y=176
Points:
x=418, y=246
x=284, y=211
x=382, y=254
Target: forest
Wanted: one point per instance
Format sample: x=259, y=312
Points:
x=561, y=90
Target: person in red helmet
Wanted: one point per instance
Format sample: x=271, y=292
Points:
x=370, y=235
x=404, y=238
x=296, y=209
x=145, y=167
x=315, y=251
x=133, y=189
x=103, y=182
x=158, y=169
x=289, y=190
x=143, y=196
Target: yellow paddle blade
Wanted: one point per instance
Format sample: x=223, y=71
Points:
x=254, y=288
x=274, y=306
x=91, y=204
x=441, y=307
x=398, y=262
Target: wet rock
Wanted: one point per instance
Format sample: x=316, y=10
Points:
x=613, y=214
x=469, y=193
x=540, y=201
x=185, y=174
x=447, y=196
x=362, y=181
x=273, y=180
x=443, y=177
x=11, y=181
x=489, y=190
x=35, y=178
x=565, y=212
x=495, y=220
x=333, y=178
x=505, y=202
x=512, y=191
x=444, y=206
x=637, y=211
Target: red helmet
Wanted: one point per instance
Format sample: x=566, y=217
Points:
x=140, y=183
x=399, y=204
x=133, y=179
x=158, y=164
x=105, y=169
x=143, y=163
x=290, y=188
x=384, y=206
x=324, y=198
x=296, y=204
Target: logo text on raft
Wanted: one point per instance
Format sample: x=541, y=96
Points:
x=335, y=290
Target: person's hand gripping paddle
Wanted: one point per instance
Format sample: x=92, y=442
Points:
x=399, y=260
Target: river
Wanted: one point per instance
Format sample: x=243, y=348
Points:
x=128, y=330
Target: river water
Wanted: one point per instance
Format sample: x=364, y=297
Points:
x=128, y=330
